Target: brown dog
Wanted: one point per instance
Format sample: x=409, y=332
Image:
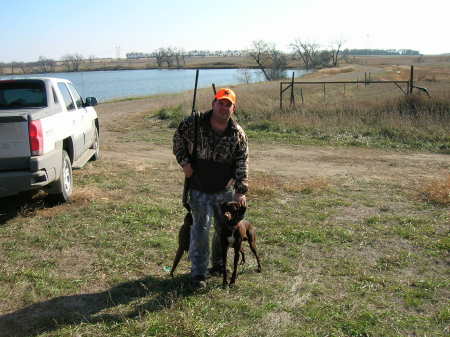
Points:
x=184, y=237
x=235, y=230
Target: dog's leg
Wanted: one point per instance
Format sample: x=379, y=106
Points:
x=242, y=256
x=177, y=259
x=252, y=243
x=237, y=250
x=224, y=260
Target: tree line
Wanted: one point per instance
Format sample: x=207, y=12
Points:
x=270, y=60
x=265, y=55
x=273, y=63
x=366, y=52
x=70, y=62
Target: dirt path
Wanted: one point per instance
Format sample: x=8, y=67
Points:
x=308, y=161
x=300, y=161
x=358, y=72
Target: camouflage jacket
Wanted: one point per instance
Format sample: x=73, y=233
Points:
x=220, y=153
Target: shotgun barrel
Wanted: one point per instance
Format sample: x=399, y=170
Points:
x=193, y=113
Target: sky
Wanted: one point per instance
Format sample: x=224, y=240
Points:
x=110, y=28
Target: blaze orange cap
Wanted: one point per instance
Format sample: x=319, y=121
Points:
x=226, y=93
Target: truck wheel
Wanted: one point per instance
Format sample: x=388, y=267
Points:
x=96, y=146
x=62, y=188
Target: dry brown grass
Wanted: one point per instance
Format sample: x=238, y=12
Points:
x=437, y=191
x=359, y=109
x=432, y=73
x=338, y=70
x=81, y=196
x=266, y=185
x=400, y=60
x=307, y=185
x=423, y=74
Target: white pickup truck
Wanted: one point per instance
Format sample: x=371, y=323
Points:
x=45, y=129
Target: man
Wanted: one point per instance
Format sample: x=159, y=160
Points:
x=217, y=174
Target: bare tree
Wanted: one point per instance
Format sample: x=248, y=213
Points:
x=165, y=55
x=179, y=55
x=323, y=58
x=259, y=53
x=159, y=56
x=336, y=48
x=279, y=65
x=23, y=66
x=170, y=56
x=13, y=66
x=270, y=61
x=66, y=60
x=76, y=61
x=45, y=65
x=72, y=61
x=305, y=51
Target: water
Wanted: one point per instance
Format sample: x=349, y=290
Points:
x=107, y=85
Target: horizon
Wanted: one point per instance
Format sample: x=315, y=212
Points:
x=110, y=29
x=187, y=52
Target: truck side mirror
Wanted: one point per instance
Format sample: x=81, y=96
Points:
x=90, y=101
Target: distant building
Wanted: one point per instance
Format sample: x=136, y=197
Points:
x=135, y=55
x=192, y=53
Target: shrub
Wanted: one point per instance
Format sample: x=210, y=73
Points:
x=437, y=191
x=174, y=114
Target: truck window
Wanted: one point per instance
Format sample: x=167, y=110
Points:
x=68, y=101
x=22, y=94
x=76, y=95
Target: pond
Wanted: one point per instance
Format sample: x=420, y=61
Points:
x=107, y=85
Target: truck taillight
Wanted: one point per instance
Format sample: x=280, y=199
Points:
x=36, y=138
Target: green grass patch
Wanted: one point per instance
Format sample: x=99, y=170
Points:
x=270, y=131
x=174, y=115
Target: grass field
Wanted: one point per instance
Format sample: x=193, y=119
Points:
x=352, y=223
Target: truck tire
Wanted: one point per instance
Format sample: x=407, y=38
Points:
x=61, y=190
x=96, y=146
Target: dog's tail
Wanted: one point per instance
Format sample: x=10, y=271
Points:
x=186, y=236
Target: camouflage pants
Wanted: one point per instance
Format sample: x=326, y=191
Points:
x=205, y=207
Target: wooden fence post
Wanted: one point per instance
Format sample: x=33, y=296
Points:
x=281, y=96
x=292, y=103
x=411, y=80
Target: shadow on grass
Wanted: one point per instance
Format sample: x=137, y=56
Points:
x=50, y=315
x=10, y=207
x=25, y=204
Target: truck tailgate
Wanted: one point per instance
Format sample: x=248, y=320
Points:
x=14, y=141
